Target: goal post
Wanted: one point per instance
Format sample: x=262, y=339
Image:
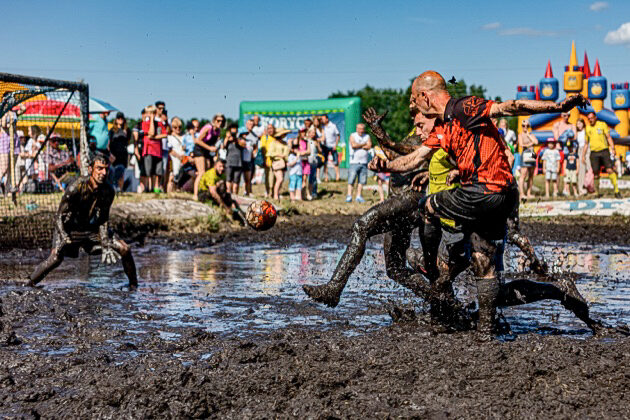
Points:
x=44, y=145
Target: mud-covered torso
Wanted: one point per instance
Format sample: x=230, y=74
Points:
x=83, y=209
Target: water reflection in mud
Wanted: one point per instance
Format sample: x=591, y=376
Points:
x=240, y=289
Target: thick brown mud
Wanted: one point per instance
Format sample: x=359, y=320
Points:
x=80, y=350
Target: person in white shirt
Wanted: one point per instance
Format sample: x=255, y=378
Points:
x=248, y=153
x=360, y=144
x=551, y=166
x=331, y=141
x=176, y=150
x=257, y=129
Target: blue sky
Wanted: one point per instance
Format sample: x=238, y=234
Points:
x=205, y=57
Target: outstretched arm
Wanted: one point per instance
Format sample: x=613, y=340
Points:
x=529, y=106
x=403, y=163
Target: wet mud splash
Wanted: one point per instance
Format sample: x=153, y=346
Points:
x=226, y=331
x=239, y=290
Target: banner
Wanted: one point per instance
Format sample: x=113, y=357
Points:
x=598, y=207
x=345, y=113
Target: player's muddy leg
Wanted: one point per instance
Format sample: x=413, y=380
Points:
x=49, y=264
x=520, y=292
x=395, y=245
x=538, y=266
x=127, y=261
x=446, y=311
x=487, y=284
x=379, y=219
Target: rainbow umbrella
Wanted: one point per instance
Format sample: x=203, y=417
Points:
x=43, y=110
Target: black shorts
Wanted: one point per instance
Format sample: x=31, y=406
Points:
x=89, y=241
x=233, y=174
x=599, y=159
x=477, y=210
x=249, y=166
x=153, y=165
x=199, y=151
x=330, y=151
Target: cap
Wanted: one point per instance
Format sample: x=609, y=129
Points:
x=120, y=115
x=242, y=132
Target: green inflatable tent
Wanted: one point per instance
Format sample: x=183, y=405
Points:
x=344, y=112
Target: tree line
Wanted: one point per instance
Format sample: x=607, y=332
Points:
x=396, y=101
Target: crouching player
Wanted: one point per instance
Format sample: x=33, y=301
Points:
x=82, y=222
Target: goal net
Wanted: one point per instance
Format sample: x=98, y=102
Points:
x=44, y=127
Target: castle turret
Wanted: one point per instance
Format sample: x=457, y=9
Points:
x=620, y=101
x=573, y=76
x=523, y=92
x=597, y=88
x=548, y=86
x=586, y=69
x=573, y=81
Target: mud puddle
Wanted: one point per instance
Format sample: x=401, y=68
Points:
x=240, y=290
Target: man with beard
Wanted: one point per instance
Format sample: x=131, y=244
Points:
x=82, y=222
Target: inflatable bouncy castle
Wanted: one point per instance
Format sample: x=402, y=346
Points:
x=579, y=79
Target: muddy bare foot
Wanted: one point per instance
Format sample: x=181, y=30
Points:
x=322, y=294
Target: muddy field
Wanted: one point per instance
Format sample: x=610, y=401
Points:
x=85, y=348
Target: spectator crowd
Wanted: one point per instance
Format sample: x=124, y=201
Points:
x=216, y=160
x=572, y=158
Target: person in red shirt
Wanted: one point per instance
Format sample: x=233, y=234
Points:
x=155, y=131
x=488, y=195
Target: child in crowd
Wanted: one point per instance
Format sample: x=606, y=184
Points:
x=571, y=168
x=551, y=165
x=294, y=165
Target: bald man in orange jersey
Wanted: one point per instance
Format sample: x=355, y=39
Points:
x=488, y=194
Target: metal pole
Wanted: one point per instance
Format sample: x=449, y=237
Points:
x=12, y=150
x=85, y=126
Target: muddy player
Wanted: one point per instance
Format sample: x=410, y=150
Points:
x=397, y=217
x=82, y=222
x=454, y=259
x=488, y=194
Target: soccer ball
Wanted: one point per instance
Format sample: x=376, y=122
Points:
x=261, y=215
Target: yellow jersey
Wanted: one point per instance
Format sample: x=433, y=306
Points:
x=265, y=141
x=439, y=167
x=597, y=136
x=210, y=178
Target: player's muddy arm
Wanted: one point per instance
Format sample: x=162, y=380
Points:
x=530, y=106
x=391, y=149
x=404, y=163
x=64, y=212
